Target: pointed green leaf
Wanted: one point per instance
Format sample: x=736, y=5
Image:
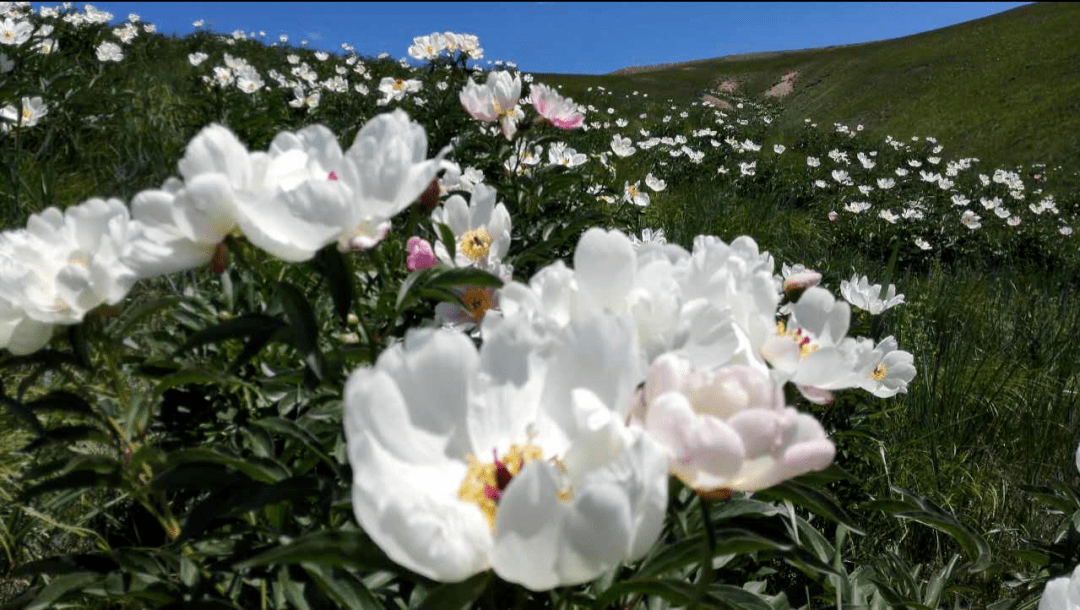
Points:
x=343, y=548
x=456, y=596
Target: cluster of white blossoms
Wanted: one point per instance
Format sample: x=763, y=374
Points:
x=302, y=194
x=544, y=455
x=433, y=45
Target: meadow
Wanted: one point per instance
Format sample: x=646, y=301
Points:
x=255, y=300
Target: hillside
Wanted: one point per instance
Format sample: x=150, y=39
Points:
x=1005, y=87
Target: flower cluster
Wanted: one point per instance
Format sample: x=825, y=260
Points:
x=301, y=195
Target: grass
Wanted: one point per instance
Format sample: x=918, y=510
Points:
x=1003, y=87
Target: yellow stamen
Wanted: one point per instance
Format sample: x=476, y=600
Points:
x=398, y=84
x=879, y=372
x=475, y=244
x=478, y=300
x=481, y=476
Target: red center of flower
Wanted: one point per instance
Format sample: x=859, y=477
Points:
x=502, y=478
x=333, y=176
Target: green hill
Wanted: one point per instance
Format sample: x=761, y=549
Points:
x=1005, y=87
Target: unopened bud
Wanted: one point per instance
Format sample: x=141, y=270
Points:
x=429, y=199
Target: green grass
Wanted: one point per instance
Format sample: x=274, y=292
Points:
x=1005, y=87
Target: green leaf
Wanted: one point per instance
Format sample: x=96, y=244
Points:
x=339, y=276
x=446, y=235
x=67, y=435
x=237, y=328
x=138, y=312
x=80, y=479
x=61, y=586
x=62, y=401
x=926, y=512
x=464, y=276
x=682, y=593
x=294, y=431
x=20, y=411
x=342, y=587
x=259, y=471
x=814, y=500
x=455, y=596
x=729, y=541
x=305, y=329
x=341, y=548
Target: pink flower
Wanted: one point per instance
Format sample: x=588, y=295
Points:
x=562, y=112
x=421, y=256
x=833, y=216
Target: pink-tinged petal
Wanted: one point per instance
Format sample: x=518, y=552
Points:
x=421, y=255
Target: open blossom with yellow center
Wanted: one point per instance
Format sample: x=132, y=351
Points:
x=457, y=469
x=806, y=346
x=479, y=301
x=485, y=481
x=879, y=372
x=399, y=85
x=475, y=244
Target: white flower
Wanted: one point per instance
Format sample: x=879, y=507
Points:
x=861, y=294
x=622, y=146
x=632, y=194
x=62, y=265
x=1062, y=593
x=747, y=169
x=882, y=370
x=481, y=229
x=728, y=428
x=457, y=469
x=28, y=116
x=561, y=154
x=813, y=162
x=394, y=89
x=496, y=100
x=648, y=236
x=841, y=177
x=779, y=148
x=654, y=183
x=922, y=243
x=857, y=206
x=885, y=183
x=15, y=32
x=109, y=51
x=888, y=215
x=970, y=220
x=197, y=58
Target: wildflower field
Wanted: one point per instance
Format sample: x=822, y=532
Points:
x=282, y=328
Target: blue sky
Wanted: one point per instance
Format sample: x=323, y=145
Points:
x=575, y=37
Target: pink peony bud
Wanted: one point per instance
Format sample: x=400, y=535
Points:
x=421, y=256
x=801, y=281
x=833, y=216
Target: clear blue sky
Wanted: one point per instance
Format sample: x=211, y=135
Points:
x=577, y=37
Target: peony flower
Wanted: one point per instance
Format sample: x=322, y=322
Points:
x=109, y=51
x=481, y=228
x=60, y=267
x=1062, y=593
x=495, y=101
x=883, y=370
x=421, y=256
x=562, y=112
x=869, y=298
x=655, y=183
x=622, y=146
x=797, y=278
x=632, y=194
x=15, y=32
x=728, y=428
x=32, y=111
x=970, y=220
x=457, y=470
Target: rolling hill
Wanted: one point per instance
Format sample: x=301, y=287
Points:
x=1005, y=87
